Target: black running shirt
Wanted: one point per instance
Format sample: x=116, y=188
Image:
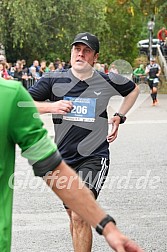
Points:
x=81, y=133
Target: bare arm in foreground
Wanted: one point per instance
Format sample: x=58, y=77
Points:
x=67, y=185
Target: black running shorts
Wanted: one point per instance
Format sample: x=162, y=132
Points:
x=153, y=83
x=93, y=172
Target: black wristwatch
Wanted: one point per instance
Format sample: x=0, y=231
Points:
x=103, y=223
x=122, y=117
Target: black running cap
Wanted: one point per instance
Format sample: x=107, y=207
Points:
x=88, y=39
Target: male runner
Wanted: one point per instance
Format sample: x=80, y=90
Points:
x=78, y=102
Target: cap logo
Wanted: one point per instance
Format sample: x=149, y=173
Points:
x=85, y=37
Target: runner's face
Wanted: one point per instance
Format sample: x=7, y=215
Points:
x=82, y=57
x=152, y=62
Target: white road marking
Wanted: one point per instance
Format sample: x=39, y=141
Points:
x=147, y=122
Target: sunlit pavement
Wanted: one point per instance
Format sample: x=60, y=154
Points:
x=134, y=193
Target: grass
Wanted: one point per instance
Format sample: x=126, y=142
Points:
x=163, y=89
x=163, y=86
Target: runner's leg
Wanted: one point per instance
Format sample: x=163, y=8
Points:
x=81, y=233
x=93, y=172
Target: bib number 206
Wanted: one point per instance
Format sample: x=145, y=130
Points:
x=79, y=110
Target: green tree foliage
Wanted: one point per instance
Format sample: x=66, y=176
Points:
x=45, y=29
x=33, y=29
x=162, y=11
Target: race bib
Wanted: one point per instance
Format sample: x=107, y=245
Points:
x=83, y=109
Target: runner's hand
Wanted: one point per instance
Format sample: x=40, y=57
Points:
x=61, y=107
x=121, y=243
x=114, y=132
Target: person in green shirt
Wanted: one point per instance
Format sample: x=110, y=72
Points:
x=18, y=125
x=139, y=73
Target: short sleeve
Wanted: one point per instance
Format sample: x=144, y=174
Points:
x=27, y=129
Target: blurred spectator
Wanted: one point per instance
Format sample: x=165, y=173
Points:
x=4, y=71
x=51, y=67
x=162, y=34
x=63, y=64
x=113, y=69
x=2, y=58
x=99, y=67
x=25, y=67
x=43, y=68
x=11, y=69
x=37, y=68
x=106, y=68
x=60, y=67
x=1, y=70
x=56, y=63
x=67, y=65
x=20, y=75
x=163, y=47
x=139, y=73
x=34, y=73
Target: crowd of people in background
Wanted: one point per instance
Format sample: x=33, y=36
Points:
x=28, y=75
x=21, y=72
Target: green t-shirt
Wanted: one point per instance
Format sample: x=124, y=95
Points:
x=138, y=71
x=17, y=126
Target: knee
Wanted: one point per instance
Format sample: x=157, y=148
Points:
x=154, y=90
x=77, y=221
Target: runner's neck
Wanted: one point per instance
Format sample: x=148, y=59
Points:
x=83, y=75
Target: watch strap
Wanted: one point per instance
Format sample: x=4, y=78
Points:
x=103, y=223
x=122, y=117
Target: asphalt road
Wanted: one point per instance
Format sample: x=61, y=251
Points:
x=134, y=193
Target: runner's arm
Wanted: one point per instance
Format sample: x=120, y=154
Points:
x=73, y=193
x=129, y=101
x=126, y=105
x=159, y=71
x=59, y=107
